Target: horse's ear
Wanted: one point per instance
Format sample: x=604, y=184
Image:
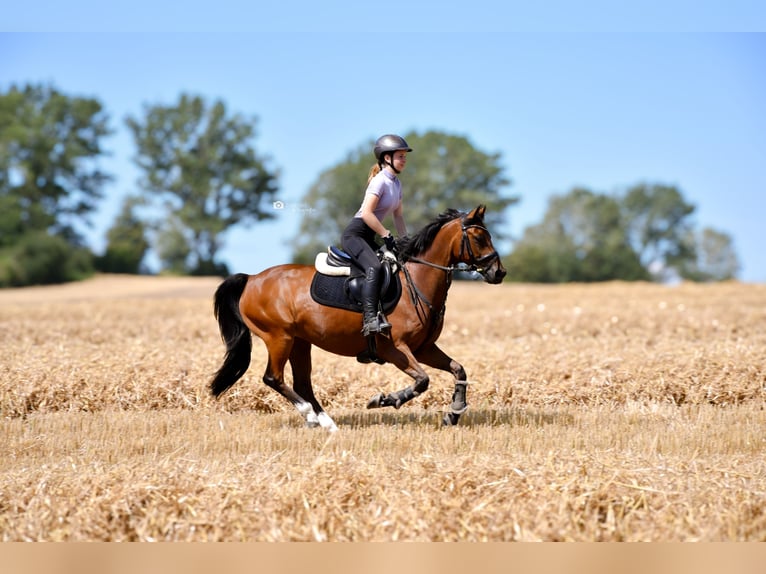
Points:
x=478, y=213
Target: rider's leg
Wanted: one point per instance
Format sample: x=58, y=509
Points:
x=374, y=321
x=358, y=242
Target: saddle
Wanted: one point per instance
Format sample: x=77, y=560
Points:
x=337, y=283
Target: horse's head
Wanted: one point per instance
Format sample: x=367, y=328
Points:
x=476, y=248
x=453, y=238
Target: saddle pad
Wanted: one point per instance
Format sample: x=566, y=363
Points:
x=333, y=292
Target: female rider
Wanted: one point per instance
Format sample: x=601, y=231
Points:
x=382, y=197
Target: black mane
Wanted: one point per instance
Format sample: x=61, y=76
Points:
x=414, y=245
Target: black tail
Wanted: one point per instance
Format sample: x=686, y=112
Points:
x=234, y=332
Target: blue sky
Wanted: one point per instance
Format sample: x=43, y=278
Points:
x=605, y=106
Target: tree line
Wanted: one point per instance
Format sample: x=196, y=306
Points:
x=644, y=233
x=200, y=175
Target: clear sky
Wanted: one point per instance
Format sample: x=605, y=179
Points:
x=604, y=103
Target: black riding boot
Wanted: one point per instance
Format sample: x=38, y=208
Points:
x=374, y=320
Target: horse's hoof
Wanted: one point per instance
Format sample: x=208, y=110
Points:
x=450, y=419
x=376, y=402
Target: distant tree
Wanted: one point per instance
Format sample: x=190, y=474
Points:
x=543, y=255
x=200, y=169
x=173, y=247
x=444, y=171
x=581, y=238
x=659, y=225
x=12, y=225
x=50, y=144
x=127, y=241
x=715, y=257
x=39, y=258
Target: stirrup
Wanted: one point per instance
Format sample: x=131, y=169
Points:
x=371, y=328
x=376, y=325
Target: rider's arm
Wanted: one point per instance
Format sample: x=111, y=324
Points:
x=401, y=228
x=368, y=206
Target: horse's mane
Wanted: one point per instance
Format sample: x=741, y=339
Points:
x=414, y=245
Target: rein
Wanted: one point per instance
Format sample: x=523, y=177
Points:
x=416, y=295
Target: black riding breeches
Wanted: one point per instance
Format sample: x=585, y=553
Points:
x=358, y=240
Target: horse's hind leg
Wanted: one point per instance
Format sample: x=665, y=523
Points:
x=300, y=362
x=280, y=348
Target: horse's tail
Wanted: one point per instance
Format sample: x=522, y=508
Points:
x=234, y=333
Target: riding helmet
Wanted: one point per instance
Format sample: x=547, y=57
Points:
x=390, y=143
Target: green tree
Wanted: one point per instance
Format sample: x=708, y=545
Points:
x=39, y=258
x=715, y=257
x=127, y=241
x=659, y=225
x=50, y=182
x=50, y=144
x=581, y=238
x=200, y=169
x=543, y=255
x=443, y=171
x=173, y=247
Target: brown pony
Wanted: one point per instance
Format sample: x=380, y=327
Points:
x=276, y=305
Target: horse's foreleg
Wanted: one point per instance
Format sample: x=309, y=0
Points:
x=433, y=356
x=300, y=362
x=403, y=358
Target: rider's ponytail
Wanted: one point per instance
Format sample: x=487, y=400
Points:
x=374, y=170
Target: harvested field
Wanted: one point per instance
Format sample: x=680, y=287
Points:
x=610, y=412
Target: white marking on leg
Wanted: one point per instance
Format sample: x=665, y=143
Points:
x=326, y=422
x=307, y=411
x=312, y=421
x=304, y=408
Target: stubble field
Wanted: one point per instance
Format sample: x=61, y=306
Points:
x=612, y=412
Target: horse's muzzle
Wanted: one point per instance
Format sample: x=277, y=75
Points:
x=495, y=273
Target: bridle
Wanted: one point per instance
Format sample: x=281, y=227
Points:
x=480, y=265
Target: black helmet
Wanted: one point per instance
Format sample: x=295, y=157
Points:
x=389, y=143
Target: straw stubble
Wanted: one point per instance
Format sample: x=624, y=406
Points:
x=614, y=412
